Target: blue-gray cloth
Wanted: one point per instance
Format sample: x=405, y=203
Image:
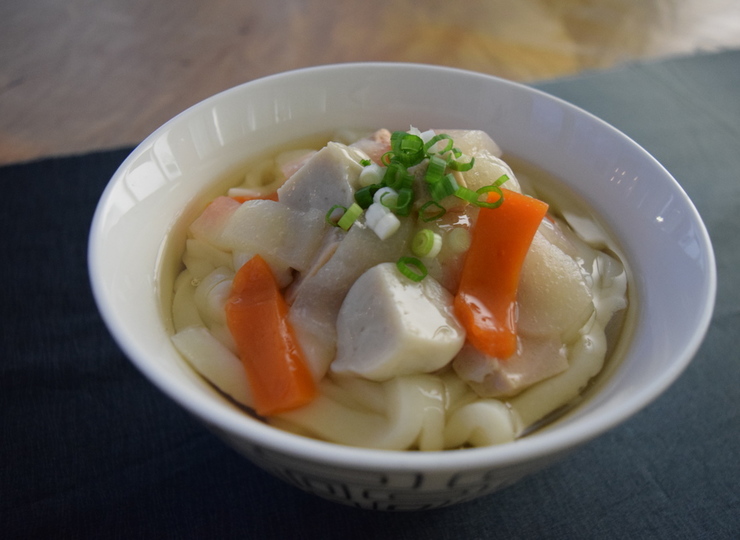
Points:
x=90, y=449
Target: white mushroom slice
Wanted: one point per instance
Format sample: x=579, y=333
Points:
x=330, y=177
x=390, y=326
x=554, y=298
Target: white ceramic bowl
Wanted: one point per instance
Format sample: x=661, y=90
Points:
x=663, y=237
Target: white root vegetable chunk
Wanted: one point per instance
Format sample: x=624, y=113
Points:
x=555, y=303
x=390, y=326
x=554, y=298
x=318, y=297
x=286, y=235
x=472, y=142
x=330, y=177
x=209, y=226
x=488, y=163
x=213, y=361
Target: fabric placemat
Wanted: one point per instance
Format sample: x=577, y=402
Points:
x=90, y=449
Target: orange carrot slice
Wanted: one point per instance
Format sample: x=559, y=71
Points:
x=485, y=302
x=256, y=314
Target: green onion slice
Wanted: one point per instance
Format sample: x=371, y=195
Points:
x=462, y=167
x=350, y=216
x=474, y=197
x=485, y=190
x=412, y=268
x=424, y=214
x=426, y=243
x=365, y=162
x=435, y=169
x=364, y=196
x=329, y=218
x=403, y=203
x=501, y=180
x=437, y=138
x=407, y=148
x=397, y=177
x=467, y=194
x=398, y=202
x=445, y=187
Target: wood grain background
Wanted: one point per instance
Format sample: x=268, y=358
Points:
x=79, y=75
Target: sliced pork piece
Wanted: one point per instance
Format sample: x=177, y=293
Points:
x=537, y=359
x=390, y=326
x=290, y=162
x=374, y=145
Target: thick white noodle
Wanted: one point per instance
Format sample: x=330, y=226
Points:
x=427, y=412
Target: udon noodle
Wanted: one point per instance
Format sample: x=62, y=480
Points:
x=373, y=307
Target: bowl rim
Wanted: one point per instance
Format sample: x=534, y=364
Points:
x=534, y=446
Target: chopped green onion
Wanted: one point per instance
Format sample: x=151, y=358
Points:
x=385, y=159
x=383, y=193
x=364, y=196
x=412, y=268
x=425, y=217
x=397, y=177
x=501, y=180
x=408, y=149
x=401, y=203
x=437, y=138
x=426, y=244
x=365, y=162
x=445, y=187
x=435, y=169
x=372, y=174
x=467, y=194
x=350, y=216
x=382, y=221
x=473, y=197
x=462, y=167
x=458, y=240
x=329, y=218
x=485, y=190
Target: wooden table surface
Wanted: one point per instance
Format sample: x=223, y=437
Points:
x=81, y=75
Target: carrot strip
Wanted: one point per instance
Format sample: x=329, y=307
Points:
x=485, y=302
x=256, y=314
